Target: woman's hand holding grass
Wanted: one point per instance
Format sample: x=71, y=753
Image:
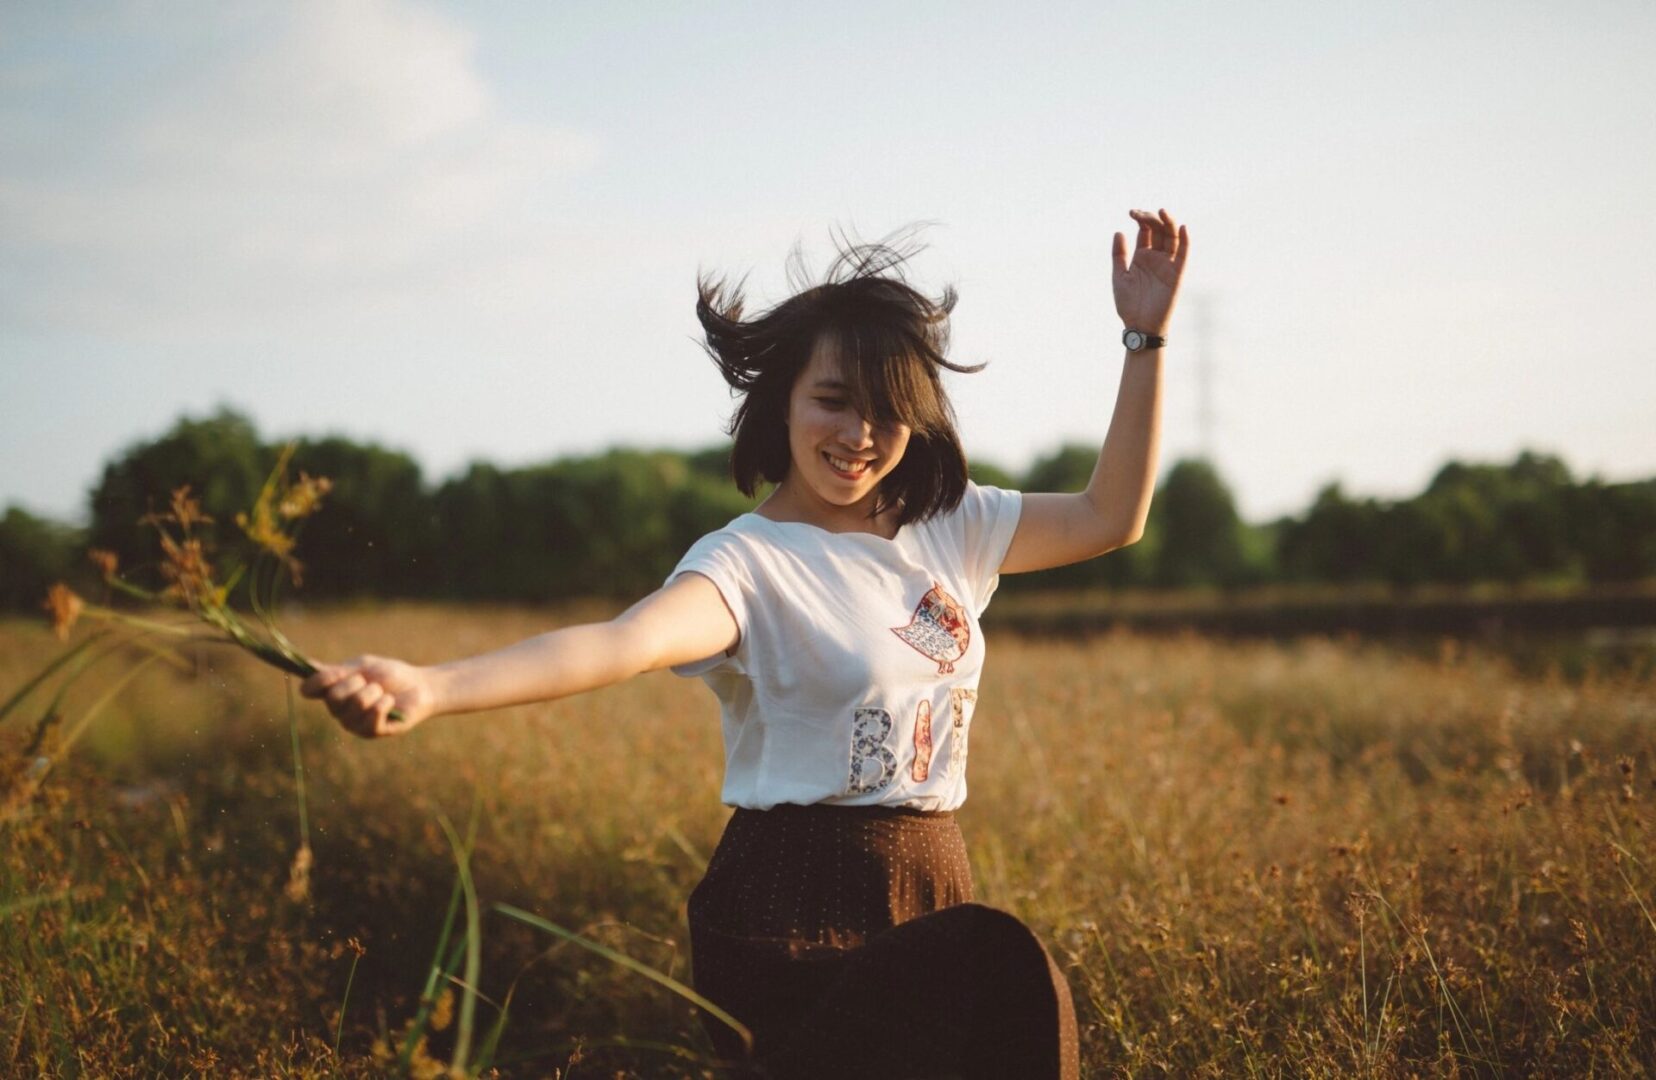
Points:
x=361, y=694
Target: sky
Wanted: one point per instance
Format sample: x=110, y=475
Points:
x=1419, y=231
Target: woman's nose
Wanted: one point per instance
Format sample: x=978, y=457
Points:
x=857, y=434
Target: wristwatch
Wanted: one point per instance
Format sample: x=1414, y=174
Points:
x=1136, y=340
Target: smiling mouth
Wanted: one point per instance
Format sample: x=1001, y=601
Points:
x=851, y=470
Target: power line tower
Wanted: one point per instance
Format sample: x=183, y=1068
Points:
x=1204, y=376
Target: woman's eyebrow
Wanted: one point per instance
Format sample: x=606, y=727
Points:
x=829, y=384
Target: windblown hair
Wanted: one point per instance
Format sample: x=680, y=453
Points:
x=890, y=340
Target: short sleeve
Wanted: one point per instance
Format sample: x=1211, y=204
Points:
x=716, y=557
x=988, y=517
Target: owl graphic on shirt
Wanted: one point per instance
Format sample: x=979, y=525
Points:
x=938, y=629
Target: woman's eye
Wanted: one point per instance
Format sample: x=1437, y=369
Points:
x=831, y=403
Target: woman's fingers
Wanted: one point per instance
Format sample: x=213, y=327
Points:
x=365, y=714
x=340, y=692
x=367, y=710
x=360, y=695
x=328, y=675
x=1169, y=233
x=1146, y=287
x=363, y=700
x=1158, y=231
x=325, y=675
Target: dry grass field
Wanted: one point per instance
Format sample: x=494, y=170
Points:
x=1252, y=859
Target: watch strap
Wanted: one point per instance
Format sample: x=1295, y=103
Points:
x=1149, y=341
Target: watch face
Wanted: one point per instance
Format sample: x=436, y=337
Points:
x=1133, y=340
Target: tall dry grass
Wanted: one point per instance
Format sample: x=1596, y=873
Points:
x=1320, y=859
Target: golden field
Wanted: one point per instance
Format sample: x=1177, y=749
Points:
x=1252, y=859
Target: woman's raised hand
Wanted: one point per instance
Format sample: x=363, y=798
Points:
x=1146, y=288
x=361, y=694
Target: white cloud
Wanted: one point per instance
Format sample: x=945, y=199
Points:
x=319, y=154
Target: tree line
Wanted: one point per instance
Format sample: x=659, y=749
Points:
x=614, y=524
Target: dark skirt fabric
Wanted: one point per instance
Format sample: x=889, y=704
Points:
x=846, y=940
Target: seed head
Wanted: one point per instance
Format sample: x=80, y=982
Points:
x=64, y=607
x=274, y=509
x=262, y=529
x=106, y=561
x=443, y=1011
x=189, y=575
x=185, y=512
x=298, y=886
x=304, y=498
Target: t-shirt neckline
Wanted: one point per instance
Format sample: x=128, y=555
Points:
x=819, y=530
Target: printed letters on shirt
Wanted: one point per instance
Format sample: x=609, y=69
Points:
x=873, y=765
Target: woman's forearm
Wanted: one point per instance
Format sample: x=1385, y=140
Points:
x=551, y=665
x=1125, y=477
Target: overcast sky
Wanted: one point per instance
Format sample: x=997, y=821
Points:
x=1420, y=230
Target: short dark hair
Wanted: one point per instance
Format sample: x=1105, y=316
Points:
x=890, y=339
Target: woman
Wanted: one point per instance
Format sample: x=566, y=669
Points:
x=837, y=624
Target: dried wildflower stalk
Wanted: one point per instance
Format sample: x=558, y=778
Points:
x=191, y=582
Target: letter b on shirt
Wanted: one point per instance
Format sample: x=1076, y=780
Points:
x=873, y=765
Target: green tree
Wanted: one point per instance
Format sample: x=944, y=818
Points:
x=1336, y=540
x=613, y=524
x=1201, y=532
x=1500, y=522
x=989, y=474
x=1613, y=529
x=376, y=533
x=711, y=462
x=1069, y=469
x=471, y=552
x=220, y=457
x=35, y=552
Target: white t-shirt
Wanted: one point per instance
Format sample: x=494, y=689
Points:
x=857, y=669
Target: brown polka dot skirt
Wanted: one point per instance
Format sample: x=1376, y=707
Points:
x=846, y=940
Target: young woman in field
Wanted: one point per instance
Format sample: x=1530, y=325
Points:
x=838, y=626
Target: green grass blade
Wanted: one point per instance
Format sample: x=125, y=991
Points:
x=54, y=710
x=474, y=945
x=339, y=1031
x=127, y=588
x=439, y=971
x=46, y=673
x=163, y=653
x=31, y=781
x=632, y=965
x=491, y=1041
x=27, y=902
x=1631, y=888
x=73, y=733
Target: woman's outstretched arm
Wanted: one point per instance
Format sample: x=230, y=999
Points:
x=1059, y=529
x=683, y=621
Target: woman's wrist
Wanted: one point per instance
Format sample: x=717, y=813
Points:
x=1137, y=339
x=441, y=680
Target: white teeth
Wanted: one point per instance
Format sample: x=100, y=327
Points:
x=846, y=466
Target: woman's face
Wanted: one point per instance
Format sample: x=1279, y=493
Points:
x=837, y=455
